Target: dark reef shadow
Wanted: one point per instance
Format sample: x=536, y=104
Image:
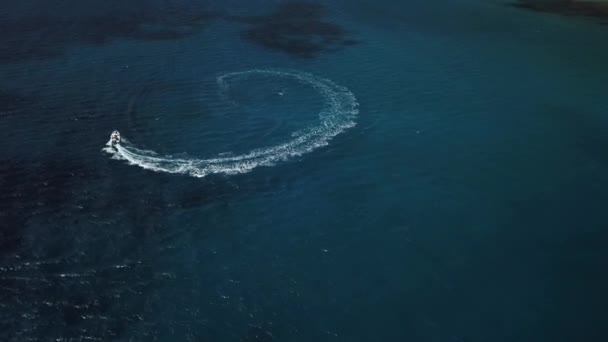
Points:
x=41, y=37
x=570, y=8
x=295, y=28
x=298, y=28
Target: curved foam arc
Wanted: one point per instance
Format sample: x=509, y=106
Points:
x=338, y=114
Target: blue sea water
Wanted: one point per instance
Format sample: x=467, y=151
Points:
x=458, y=196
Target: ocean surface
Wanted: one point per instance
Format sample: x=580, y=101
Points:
x=343, y=170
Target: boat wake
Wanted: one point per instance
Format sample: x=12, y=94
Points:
x=338, y=114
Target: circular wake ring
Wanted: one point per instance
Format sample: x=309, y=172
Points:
x=337, y=115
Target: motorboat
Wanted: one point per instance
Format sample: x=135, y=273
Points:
x=115, y=138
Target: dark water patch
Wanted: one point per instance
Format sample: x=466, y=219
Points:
x=12, y=103
x=68, y=269
x=570, y=8
x=13, y=208
x=299, y=29
x=44, y=290
x=98, y=304
x=37, y=188
x=43, y=35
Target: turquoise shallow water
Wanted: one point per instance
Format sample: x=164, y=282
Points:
x=466, y=204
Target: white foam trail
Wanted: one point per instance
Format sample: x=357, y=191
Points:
x=338, y=114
